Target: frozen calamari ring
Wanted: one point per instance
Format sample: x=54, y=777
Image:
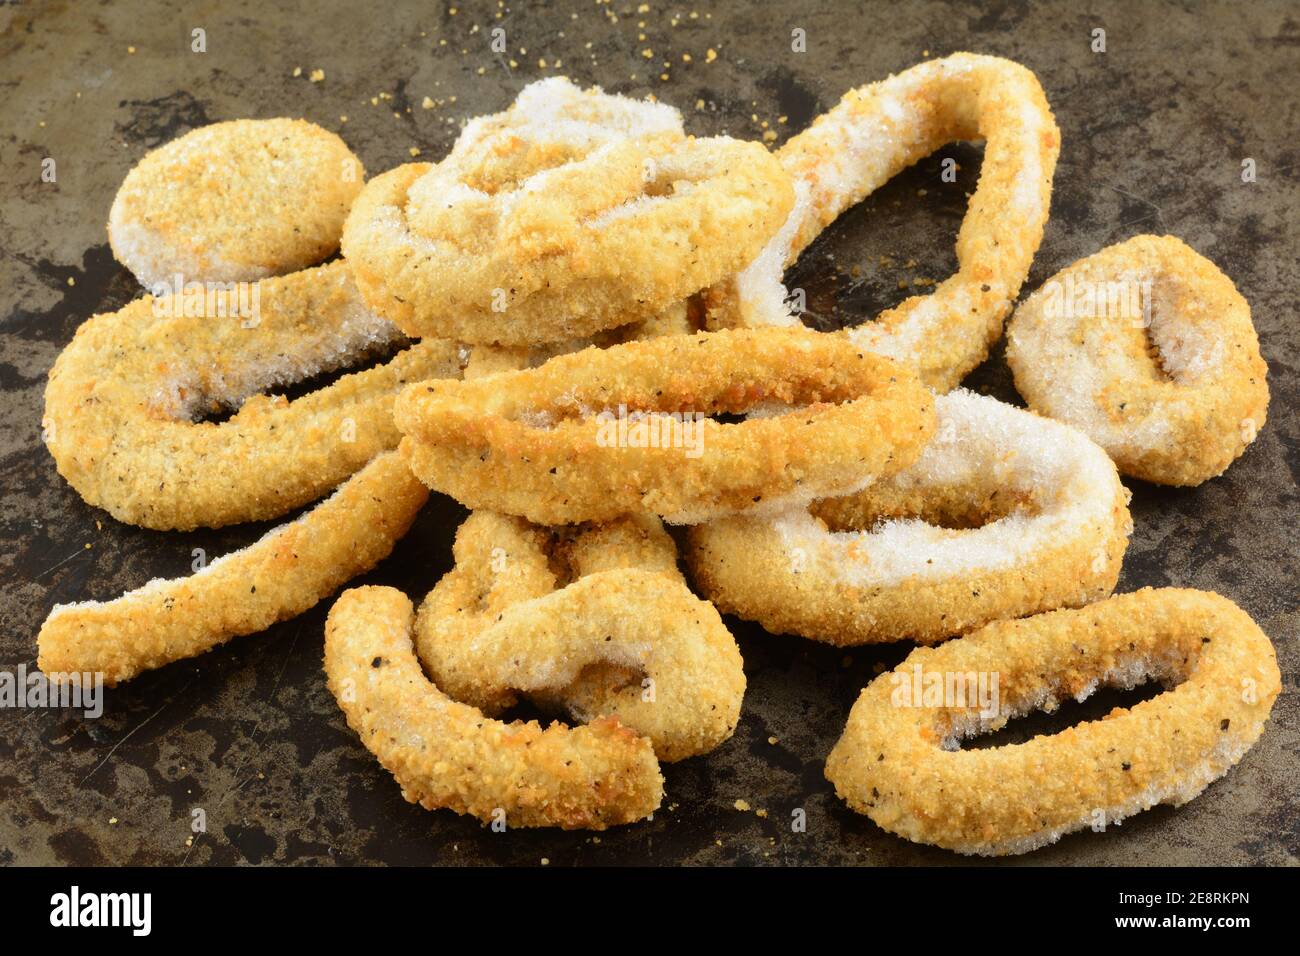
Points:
x=603, y=433
x=449, y=755
x=898, y=761
x=284, y=573
x=596, y=621
x=876, y=132
x=1004, y=514
x=518, y=257
x=122, y=399
x=1148, y=348
x=235, y=202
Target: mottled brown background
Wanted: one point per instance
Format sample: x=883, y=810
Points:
x=1154, y=132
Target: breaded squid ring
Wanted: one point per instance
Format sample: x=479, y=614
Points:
x=898, y=761
x=1004, y=514
x=447, y=754
x=874, y=133
x=550, y=252
x=590, y=436
x=284, y=573
x=121, y=399
x=597, y=621
x=235, y=202
x=1148, y=348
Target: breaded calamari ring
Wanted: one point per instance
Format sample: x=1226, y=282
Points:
x=121, y=399
x=235, y=202
x=874, y=133
x=447, y=754
x=287, y=571
x=1004, y=514
x=543, y=252
x=602, y=433
x=898, y=761
x=1148, y=348
x=595, y=620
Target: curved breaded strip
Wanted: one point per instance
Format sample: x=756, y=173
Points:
x=899, y=764
x=447, y=754
x=874, y=133
x=596, y=620
x=284, y=573
x=121, y=398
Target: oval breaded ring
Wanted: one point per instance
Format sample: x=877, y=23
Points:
x=874, y=133
x=561, y=252
x=595, y=620
x=287, y=571
x=1004, y=514
x=447, y=754
x=530, y=442
x=121, y=399
x=1148, y=348
x=901, y=767
x=235, y=202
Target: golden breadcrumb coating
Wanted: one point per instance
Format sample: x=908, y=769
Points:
x=874, y=133
x=447, y=754
x=283, y=574
x=1148, y=348
x=555, y=252
x=122, y=398
x=898, y=762
x=1004, y=514
x=235, y=202
x=596, y=620
x=547, y=443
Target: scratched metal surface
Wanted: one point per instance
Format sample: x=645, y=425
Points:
x=1154, y=132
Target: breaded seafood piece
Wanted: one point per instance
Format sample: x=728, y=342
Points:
x=123, y=399
x=235, y=202
x=598, y=434
x=449, y=755
x=284, y=573
x=900, y=763
x=593, y=620
x=874, y=133
x=523, y=245
x=1148, y=348
x=1004, y=514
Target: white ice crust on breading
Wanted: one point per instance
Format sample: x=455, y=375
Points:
x=1070, y=478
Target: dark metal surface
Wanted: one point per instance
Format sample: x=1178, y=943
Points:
x=1154, y=134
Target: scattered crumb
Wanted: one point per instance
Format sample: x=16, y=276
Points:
x=112, y=821
x=317, y=76
x=73, y=281
x=297, y=71
x=426, y=103
x=545, y=862
x=131, y=50
x=414, y=151
x=710, y=55
x=742, y=805
x=771, y=740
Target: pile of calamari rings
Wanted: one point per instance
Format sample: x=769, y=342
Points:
x=575, y=325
